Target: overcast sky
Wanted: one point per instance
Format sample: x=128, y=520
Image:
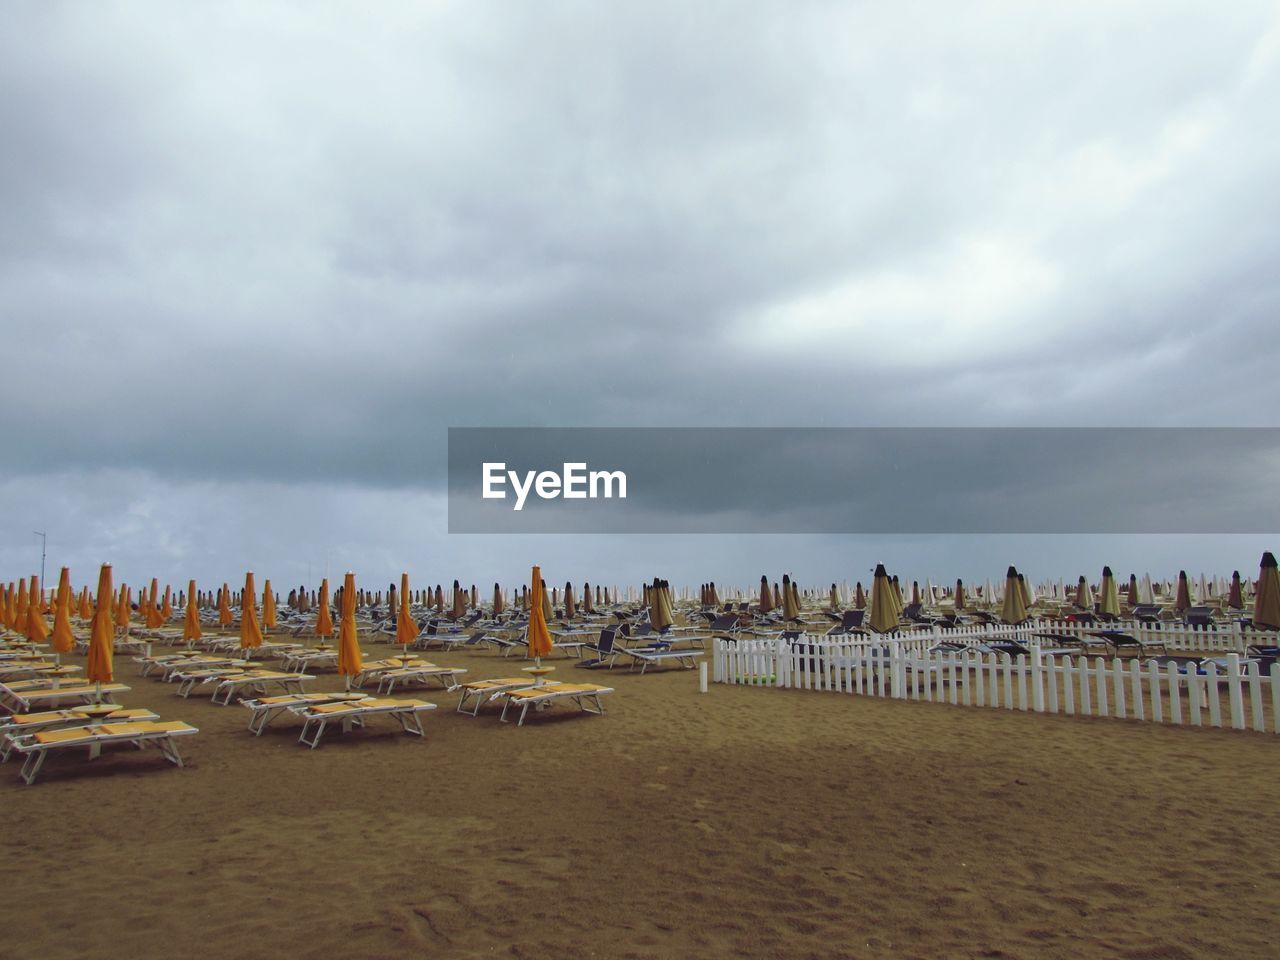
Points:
x=256, y=257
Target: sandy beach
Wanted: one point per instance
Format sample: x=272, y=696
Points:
x=739, y=823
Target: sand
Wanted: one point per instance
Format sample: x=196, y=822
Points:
x=740, y=823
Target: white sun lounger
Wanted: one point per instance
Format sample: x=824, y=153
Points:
x=421, y=674
x=78, y=691
x=20, y=724
x=648, y=656
x=257, y=681
x=265, y=709
x=585, y=695
x=38, y=746
x=480, y=692
x=318, y=717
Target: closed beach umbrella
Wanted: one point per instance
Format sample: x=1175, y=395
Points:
x=406, y=628
x=98, y=662
x=587, y=607
x=959, y=604
x=544, y=602
x=1084, y=596
x=569, y=608
x=1109, y=602
x=36, y=628
x=166, y=605
x=834, y=598
x=350, y=662
x=538, y=635
x=766, y=595
x=123, y=608
x=154, y=619
x=1235, y=599
x=884, y=609
x=1015, y=609
x=224, y=607
x=63, y=640
x=324, y=619
x=250, y=631
x=1266, y=602
x=268, y=606
x=497, y=599
x=1132, y=597
x=439, y=599
x=86, y=608
x=790, y=609
x=1024, y=588
x=475, y=597
x=859, y=597
x=19, y=619
x=191, y=631
x=1146, y=593
x=1182, y=602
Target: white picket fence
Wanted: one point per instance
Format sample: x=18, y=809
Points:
x=903, y=668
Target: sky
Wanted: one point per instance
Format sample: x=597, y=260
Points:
x=256, y=258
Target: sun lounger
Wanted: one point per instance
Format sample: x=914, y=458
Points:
x=649, y=656
x=317, y=717
x=422, y=673
x=42, y=695
x=177, y=669
x=257, y=681
x=1117, y=641
x=37, y=746
x=264, y=709
x=585, y=695
x=20, y=724
x=15, y=670
x=479, y=692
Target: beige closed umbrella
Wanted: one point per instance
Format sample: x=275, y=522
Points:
x=859, y=597
x=1266, y=602
x=790, y=608
x=766, y=596
x=1084, y=596
x=1015, y=608
x=884, y=606
x=1109, y=599
x=497, y=599
x=834, y=599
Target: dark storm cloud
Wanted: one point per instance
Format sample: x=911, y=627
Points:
x=292, y=243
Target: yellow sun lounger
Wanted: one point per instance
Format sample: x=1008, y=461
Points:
x=22, y=700
x=585, y=695
x=317, y=717
x=38, y=746
x=258, y=681
x=27, y=723
x=480, y=692
x=265, y=709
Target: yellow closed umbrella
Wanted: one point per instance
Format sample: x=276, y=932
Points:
x=268, y=606
x=538, y=634
x=1266, y=602
x=98, y=662
x=884, y=610
x=250, y=631
x=324, y=619
x=191, y=631
x=1015, y=606
x=36, y=629
x=1084, y=596
x=1109, y=602
x=406, y=627
x=350, y=662
x=63, y=640
x=224, y=607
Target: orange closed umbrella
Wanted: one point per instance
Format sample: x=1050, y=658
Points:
x=166, y=605
x=63, y=640
x=538, y=635
x=250, y=631
x=86, y=608
x=324, y=619
x=268, y=606
x=224, y=607
x=20, y=611
x=191, y=631
x=123, y=607
x=37, y=630
x=98, y=663
x=350, y=662
x=406, y=628
x=154, y=617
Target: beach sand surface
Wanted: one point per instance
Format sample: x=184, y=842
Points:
x=740, y=823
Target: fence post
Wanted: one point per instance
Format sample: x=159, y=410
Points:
x=1234, y=692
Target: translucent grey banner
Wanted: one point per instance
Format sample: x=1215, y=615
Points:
x=863, y=480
